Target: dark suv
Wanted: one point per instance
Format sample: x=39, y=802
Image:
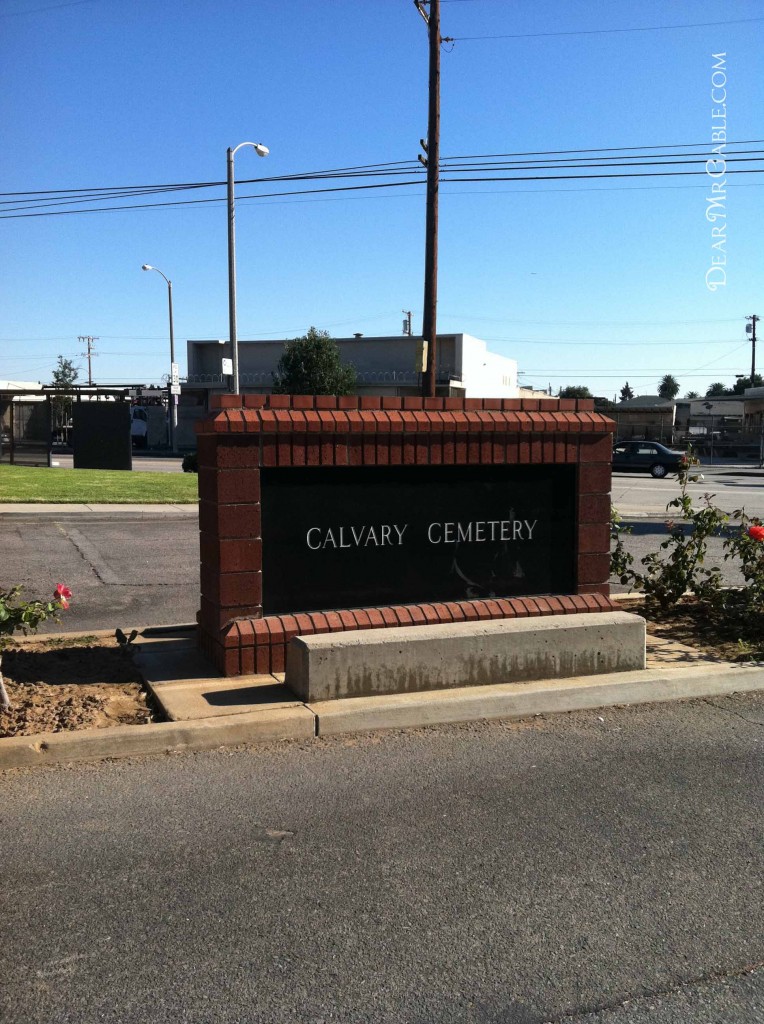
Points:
x=647, y=457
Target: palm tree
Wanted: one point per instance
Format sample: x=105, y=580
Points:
x=668, y=387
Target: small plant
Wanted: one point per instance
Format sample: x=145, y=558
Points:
x=190, y=463
x=17, y=616
x=125, y=639
x=667, y=577
x=744, y=545
x=621, y=560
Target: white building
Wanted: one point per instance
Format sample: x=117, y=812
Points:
x=384, y=366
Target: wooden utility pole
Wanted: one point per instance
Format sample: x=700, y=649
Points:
x=432, y=150
x=752, y=331
x=90, y=341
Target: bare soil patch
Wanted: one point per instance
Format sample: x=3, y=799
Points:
x=691, y=623
x=61, y=683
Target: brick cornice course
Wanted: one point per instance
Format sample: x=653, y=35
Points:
x=464, y=419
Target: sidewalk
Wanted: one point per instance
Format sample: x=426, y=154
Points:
x=67, y=508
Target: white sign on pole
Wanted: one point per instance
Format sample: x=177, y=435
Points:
x=227, y=366
x=175, y=389
x=174, y=376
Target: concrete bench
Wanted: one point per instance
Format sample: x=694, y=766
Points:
x=372, y=662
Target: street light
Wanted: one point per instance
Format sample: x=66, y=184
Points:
x=261, y=150
x=173, y=418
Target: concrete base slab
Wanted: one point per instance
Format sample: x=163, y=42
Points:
x=195, y=699
x=187, y=687
x=513, y=700
x=380, y=662
x=163, y=660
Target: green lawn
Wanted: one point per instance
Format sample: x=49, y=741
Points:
x=90, y=486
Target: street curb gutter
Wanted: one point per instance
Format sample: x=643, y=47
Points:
x=158, y=738
x=524, y=700
x=363, y=714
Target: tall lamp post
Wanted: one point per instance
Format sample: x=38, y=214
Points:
x=261, y=150
x=173, y=408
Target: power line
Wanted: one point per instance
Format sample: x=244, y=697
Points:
x=116, y=191
x=607, y=31
x=380, y=185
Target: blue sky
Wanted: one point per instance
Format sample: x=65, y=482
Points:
x=588, y=283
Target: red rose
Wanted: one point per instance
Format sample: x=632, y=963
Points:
x=756, y=532
x=63, y=594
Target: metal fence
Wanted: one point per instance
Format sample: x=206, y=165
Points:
x=25, y=429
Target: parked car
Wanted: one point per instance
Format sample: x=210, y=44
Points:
x=647, y=457
x=139, y=427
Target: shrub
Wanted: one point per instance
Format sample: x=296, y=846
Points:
x=17, y=616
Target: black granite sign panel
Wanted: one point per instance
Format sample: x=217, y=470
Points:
x=359, y=537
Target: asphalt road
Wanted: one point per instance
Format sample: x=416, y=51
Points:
x=593, y=867
x=141, y=463
x=639, y=494
x=124, y=569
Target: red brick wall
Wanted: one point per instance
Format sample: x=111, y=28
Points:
x=246, y=432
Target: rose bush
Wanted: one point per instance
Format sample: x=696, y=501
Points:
x=17, y=616
x=678, y=566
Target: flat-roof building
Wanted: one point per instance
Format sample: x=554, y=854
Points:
x=384, y=366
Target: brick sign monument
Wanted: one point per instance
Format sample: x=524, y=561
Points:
x=321, y=515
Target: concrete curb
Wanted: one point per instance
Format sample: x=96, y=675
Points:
x=131, y=510
x=363, y=714
x=158, y=738
x=524, y=700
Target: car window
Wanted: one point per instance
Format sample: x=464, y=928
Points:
x=620, y=449
x=646, y=449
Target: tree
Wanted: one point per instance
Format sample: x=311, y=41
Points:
x=64, y=376
x=747, y=382
x=692, y=394
x=668, y=387
x=575, y=391
x=626, y=392
x=311, y=365
x=717, y=390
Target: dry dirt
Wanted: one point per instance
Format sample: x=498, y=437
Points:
x=692, y=624
x=62, y=683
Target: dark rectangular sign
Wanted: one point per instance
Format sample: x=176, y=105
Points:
x=101, y=435
x=369, y=536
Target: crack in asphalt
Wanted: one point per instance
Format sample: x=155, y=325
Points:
x=729, y=711
x=710, y=978
x=89, y=554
